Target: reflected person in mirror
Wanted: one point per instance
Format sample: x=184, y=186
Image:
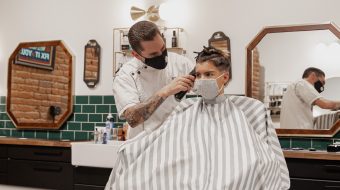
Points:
x=144, y=87
x=301, y=96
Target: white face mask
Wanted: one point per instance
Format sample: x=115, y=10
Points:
x=207, y=88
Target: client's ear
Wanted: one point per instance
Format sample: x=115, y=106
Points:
x=226, y=78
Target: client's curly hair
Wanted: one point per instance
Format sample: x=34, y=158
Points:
x=219, y=58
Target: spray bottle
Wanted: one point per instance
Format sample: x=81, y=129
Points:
x=109, y=125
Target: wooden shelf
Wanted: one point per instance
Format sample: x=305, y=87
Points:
x=120, y=33
x=34, y=142
x=305, y=154
x=174, y=50
x=274, y=108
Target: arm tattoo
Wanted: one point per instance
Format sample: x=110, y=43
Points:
x=137, y=114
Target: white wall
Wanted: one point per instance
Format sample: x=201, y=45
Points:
x=284, y=56
x=77, y=21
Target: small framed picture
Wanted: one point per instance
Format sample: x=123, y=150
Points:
x=39, y=57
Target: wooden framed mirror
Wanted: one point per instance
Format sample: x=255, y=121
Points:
x=222, y=42
x=92, y=63
x=40, y=85
x=278, y=55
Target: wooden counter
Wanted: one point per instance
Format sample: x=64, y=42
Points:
x=318, y=155
x=34, y=142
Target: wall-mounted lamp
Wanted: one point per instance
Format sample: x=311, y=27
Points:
x=152, y=13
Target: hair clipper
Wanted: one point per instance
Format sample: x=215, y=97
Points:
x=180, y=95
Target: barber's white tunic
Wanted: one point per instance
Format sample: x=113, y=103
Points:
x=297, y=105
x=136, y=82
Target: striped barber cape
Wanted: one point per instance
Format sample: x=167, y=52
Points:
x=226, y=144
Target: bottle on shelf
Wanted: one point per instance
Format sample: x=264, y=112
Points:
x=164, y=39
x=126, y=130
x=109, y=125
x=100, y=136
x=105, y=135
x=174, y=39
x=125, y=41
x=96, y=136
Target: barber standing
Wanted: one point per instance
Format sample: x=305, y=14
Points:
x=144, y=87
x=298, y=101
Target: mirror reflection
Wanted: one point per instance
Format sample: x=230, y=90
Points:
x=91, y=63
x=279, y=61
x=323, y=118
x=40, y=87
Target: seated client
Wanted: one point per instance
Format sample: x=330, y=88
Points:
x=210, y=142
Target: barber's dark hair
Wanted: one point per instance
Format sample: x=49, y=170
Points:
x=142, y=31
x=219, y=58
x=310, y=70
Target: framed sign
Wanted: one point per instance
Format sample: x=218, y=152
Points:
x=39, y=57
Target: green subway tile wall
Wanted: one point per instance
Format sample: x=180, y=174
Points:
x=91, y=111
x=88, y=112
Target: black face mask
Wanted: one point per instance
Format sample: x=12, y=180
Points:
x=318, y=86
x=158, y=62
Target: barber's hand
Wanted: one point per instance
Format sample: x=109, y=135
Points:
x=183, y=83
